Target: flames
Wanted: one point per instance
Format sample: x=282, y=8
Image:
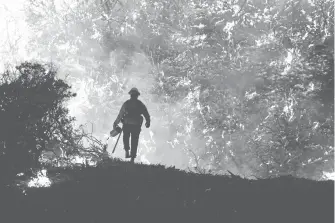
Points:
x=41, y=180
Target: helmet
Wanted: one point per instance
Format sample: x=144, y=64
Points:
x=134, y=90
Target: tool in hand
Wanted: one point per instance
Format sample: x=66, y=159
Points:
x=115, y=132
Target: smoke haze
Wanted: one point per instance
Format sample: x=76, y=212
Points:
x=154, y=146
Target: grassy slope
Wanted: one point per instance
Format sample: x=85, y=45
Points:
x=140, y=192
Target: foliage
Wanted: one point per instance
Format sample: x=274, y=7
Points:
x=36, y=128
x=32, y=114
x=247, y=65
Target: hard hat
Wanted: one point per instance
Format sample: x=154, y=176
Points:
x=134, y=90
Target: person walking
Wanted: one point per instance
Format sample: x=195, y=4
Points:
x=130, y=116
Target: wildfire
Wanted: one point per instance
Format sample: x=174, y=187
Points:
x=41, y=180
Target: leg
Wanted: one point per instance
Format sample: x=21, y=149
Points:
x=126, y=136
x=135, y=134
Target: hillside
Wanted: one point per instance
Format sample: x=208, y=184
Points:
x=140, y=192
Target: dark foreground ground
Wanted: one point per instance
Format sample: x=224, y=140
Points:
x=121, y=192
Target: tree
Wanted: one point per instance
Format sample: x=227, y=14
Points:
x=246, y=69
x=32, y=115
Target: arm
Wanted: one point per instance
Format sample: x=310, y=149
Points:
x=120, y=116
x=146, y=114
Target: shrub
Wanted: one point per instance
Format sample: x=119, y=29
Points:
x=31, y=115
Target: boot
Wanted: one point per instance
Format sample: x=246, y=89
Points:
x=127, y=154
x=132, y=159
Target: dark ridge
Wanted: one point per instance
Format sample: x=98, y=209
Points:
x=137, y=192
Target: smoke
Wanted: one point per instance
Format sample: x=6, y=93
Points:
x=14, y=33
x=102, y=77
x=100, y=96
x=153, y=146
x=153, y=143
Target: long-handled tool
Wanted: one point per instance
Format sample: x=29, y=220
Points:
x=117, y=141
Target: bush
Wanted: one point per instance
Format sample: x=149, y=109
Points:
x=31, y=115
